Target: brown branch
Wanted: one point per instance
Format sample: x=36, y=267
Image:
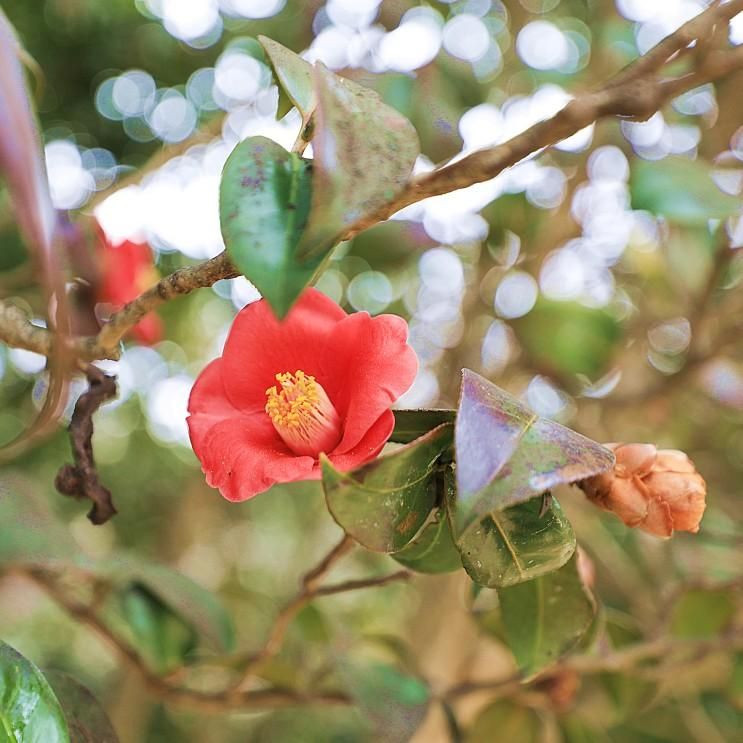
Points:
x=234, y=696
x=80, y=480
x=177, y=284
x=212, y=702
x=355, y=585
x=636, y=92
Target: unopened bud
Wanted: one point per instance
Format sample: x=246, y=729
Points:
x=657, y=491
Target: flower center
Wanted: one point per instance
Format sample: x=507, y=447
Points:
x=302, y=414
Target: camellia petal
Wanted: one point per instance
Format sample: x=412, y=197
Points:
x=127, y=270
x=259, y=346
x=372, y=366
x=285, y=391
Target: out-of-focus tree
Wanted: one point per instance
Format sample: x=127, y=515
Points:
x=548, y=192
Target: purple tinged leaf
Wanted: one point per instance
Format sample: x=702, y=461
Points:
x=20, y=148
x=507, y=455
x=364, y=152
x=22, y=165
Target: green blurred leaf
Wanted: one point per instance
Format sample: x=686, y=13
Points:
x=383, y=504
x=364, y=153
x=506, y=721
x=86, y=718
x=293, y=74
x=546, y=617
x=700, y=613
x=394, y=702
x=29, y=710
x=160, y=635
x=433, y=550
x=517, y=544
x=392, y=244
x=410, y=424
x=629, y=695
x=681, y=190
x=568, y=337
x=264, y=200
x=30, y=532
x=506, y=454
x=198, y=608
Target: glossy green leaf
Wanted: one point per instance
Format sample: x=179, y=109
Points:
x=681, y=190
x=506, y=454
x=700, y=613
x=505, y=720
x=198, y=608
x=546, y=617
x=29, y=530
x=568, y=337
x=264, y=200
x=394, y=702
x=293, y=74
x=383, y=504
x=517, y=544
x=433, y=550
x=410, y=424
x=160, y=635
x=29, y=709
x=86, y=719
x=364, y=153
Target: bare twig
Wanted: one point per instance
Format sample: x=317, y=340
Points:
x=309, y=588
x=80, y=480
x=355, y=585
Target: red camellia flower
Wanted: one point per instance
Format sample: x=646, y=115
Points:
x=126, y=271
x=285, y=391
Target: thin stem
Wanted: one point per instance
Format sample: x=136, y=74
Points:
x=309, y=588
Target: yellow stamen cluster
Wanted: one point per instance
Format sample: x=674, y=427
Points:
x=302, y=413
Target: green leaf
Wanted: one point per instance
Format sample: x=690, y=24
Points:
x=30, y=532
x=383, y=504
x=198, y=608
x=681, y=190
x=506, y=721
x=160, y=635
x=293, y=74
x=394, y=702
x=364, y=152
x=506, y=454
x=410, y=424
x=568, y=337
x=700, y=613
x=433, y=550
x=86, y=718
x=264, y=200
x=29, y=710
x=546, y=617
x=517, y=544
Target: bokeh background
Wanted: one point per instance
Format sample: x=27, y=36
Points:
x=600, y=281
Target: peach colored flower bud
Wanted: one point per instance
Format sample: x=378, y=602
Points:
x=657, y=491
